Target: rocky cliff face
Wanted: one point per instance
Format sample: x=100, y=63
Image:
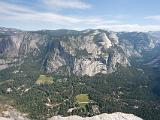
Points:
x=9, y=113
x=83, y=52
x=105, y=116
x=13, y=114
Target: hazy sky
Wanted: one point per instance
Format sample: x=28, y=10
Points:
x=117, y=15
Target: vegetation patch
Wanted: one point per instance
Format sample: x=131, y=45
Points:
x=6, y=81
x=82, y=99
x=43, y=79
x=5, y=102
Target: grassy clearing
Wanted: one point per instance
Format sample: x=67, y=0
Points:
x=82, y=99
x=43, y=79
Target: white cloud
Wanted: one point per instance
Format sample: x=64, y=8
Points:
x=13, y=9
x=74, y=4
x=156, y=17
x=131, y=27
x=13, y=13
x=16, y=12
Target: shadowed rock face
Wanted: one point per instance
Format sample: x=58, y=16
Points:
x=113, y=116
x=83, y=52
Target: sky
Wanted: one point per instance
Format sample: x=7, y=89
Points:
x=115, y=15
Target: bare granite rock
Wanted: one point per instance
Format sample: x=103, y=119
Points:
x=105, y=116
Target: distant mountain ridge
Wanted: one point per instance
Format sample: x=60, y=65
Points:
x=86, y=52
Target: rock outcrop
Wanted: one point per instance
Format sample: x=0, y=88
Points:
x=11, y=114
x=105, y=116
